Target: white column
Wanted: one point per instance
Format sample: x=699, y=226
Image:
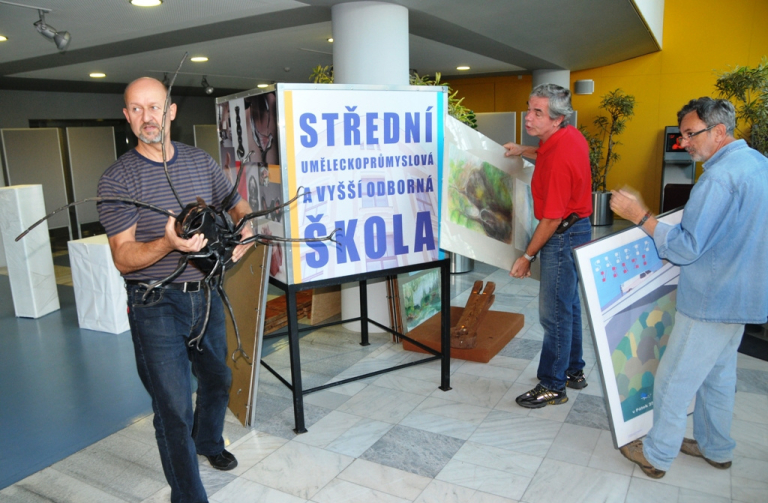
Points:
x=560, y=77
x=30, y=263
x=370, y=43
x=370, y=46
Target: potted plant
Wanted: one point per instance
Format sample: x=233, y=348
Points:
x=324, y=75
x=620, y=108
x=747, y=88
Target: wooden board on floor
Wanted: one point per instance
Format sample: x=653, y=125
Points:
x=495, y=332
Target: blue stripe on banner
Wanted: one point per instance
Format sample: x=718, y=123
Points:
x=440, y=152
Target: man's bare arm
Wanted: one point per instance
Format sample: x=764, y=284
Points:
x=130, y=255
x=545, y=230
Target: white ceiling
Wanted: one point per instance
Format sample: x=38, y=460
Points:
x=254, y=41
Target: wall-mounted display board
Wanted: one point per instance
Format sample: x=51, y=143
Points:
x=206, y=138
x=500, y=127
x=33, y=156
x=91, y=151
x=365, y=159
x=630, y=296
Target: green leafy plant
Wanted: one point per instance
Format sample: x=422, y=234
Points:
x=747, y=89
x=324, y=75
x=620, y=108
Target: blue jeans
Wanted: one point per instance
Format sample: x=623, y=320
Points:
x=700, y=359
x=160, y=329
x=559, y=307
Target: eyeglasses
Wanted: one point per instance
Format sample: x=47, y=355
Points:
x=684, y=137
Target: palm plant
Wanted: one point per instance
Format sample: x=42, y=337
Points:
x=324, y=75
x=620, y=108
x=748, y=89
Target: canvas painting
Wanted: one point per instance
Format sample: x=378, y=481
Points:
x=419, y=297
x=630, y=295
x=487, y=208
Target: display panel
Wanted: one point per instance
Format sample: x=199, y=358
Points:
x=366, y=160
x=630, y=295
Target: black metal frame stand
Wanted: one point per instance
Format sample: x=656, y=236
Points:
x=293, y=331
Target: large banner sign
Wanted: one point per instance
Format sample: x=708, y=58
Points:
x=366, y=161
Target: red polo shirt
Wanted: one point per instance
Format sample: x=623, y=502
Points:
x=562, y=180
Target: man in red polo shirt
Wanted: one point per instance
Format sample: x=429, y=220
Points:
x=562, y=201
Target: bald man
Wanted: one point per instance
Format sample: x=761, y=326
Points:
x=146, y=248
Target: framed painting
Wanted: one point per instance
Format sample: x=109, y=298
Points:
x=630, y=295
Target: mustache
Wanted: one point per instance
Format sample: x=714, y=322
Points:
x=151, y=123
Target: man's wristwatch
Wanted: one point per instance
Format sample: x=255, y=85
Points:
x=529, y=258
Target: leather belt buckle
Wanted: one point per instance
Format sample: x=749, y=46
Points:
x=191, y=287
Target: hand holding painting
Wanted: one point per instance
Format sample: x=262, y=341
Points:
x=628, y=204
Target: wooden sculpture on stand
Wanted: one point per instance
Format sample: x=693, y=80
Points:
x=477, y=333
x=464, y=333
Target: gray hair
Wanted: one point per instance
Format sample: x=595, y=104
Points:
x=559, y=101
x=712, y=112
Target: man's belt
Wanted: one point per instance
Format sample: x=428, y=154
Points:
x=186, y=286
x=567, y=223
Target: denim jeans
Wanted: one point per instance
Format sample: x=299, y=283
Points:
x=161, y=328
x=700, y=359
x=559, y=307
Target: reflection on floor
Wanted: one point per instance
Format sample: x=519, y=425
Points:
x=397, y=438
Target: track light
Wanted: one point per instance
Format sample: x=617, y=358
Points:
x=208, y=88
x=61, y=39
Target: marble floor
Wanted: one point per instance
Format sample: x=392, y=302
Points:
x=397, y=438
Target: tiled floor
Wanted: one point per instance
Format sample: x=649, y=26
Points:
x=397, y=438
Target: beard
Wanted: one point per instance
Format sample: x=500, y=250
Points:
x=157, y=138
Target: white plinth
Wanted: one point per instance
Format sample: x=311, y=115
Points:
x=30, y=263
x=99, y=289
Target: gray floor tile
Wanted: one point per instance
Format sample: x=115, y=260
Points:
x=589, y=410
x=414, y=451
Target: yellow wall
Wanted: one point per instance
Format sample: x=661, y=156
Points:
x=701, y=38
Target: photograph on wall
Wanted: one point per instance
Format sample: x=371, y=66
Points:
x=419, y=294
x=366, y=162
x=630, y=294
x=487, y=208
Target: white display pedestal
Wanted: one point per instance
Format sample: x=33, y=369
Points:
x=99, y=289
x=30, y=263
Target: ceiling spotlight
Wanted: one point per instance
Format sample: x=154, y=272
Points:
x=198, y=59
x=97, y=75
x=330, y=40
x=61, y=39
x=208, y=88
x=146, y=3
x=262, y=86
x=462, y=68
x=3, y=39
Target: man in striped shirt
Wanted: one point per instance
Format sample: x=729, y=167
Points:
x=146, y=248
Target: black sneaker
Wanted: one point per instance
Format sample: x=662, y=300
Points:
x=577, y=380
x=540, y=396
x=224, y=460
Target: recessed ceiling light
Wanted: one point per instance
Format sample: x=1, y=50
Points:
x=199, y=59
x=262, y=86
x=146, y=3
x=462, y=68
x=97, y=75
x=3, y=39
x=330, y=40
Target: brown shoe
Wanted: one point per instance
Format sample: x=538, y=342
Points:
x=691, y=447
x=633, y=451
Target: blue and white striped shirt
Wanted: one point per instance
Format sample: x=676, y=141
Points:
x=193, y=173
